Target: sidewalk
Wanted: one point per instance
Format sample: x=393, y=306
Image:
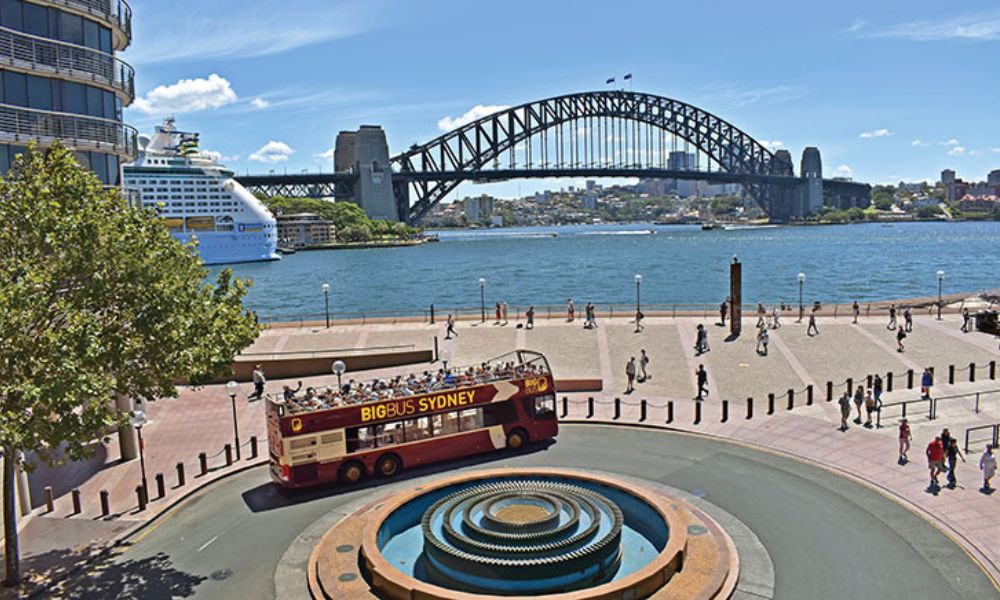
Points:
x=201, y=420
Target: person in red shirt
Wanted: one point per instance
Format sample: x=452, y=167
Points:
x=904, y=441
x=935, y=460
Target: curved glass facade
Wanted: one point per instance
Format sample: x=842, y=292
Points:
x=60, y=80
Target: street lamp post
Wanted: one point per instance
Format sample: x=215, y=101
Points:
x=482, y=298
x=139, y=419
x=231, y=387
x=638, y=304
x=802, y=308
x=338, y=368
x=940, y=276
x=326, y=302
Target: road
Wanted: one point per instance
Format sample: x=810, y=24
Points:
x=827, y=536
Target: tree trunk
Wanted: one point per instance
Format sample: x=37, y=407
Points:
x=12, y=566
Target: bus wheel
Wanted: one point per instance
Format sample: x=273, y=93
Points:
x=516, y=439
x=389, y=465
x=352, y=472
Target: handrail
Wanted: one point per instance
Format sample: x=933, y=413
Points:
x=69, y=59
x=932, y=404
x=32, y=123
x=313, y=353
x=115, y=12
x=994, y=437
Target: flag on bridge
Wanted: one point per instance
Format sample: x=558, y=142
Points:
x=627, y=76
x=612, y=80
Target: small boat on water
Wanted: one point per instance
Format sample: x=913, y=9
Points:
x=708, y=226
x=744, y=227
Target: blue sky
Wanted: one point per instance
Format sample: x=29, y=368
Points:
x=889, y=91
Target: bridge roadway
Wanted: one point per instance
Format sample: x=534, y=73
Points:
x=827, y=536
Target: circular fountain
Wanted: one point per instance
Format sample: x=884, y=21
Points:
x=528, y=533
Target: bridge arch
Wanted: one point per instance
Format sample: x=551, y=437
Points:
x=621, y=130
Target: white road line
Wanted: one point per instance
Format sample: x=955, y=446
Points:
x=206, y=544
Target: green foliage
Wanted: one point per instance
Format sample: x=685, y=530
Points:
x=349, y=218
x=725, y=205
x=927, y=212
x=98, y=299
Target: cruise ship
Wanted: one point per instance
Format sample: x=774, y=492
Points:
x=199, y=200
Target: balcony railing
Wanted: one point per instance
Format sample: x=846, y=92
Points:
x=116, y=13
x=77, y=62
x=22, y=125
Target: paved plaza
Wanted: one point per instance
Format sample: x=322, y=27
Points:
x=201, y=421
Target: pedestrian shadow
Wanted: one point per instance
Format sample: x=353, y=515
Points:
x=986, y=491
x=86, y=575
x=270, y=496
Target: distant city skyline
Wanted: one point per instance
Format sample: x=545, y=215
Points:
x=889, y=92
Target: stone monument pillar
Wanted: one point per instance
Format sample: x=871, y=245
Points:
x=735, y=297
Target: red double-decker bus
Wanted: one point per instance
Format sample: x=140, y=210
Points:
x=380, y=428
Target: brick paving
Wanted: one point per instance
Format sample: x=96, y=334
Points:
x=201, y=420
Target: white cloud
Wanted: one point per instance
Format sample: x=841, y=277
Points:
x=272, y=152
x=857, y=25
x=920, y=143
x=772, y=144
x=976, y=27
x=327, y=154
x=844, y=171
x=218, y=156
x=187, y=95
x=956, y=151
x=997, y=150
x=260, y=103
x=476, y=112
x=951, y=142
x=742, y=96
x=877, y=133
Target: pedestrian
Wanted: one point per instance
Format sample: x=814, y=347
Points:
x=498, y=313
x=926, y=383
x=935, y=460
x=904, y=441
x=952, y=453
x=870, y=407
x=761, y=332
x=450, y=331
x=530, y=316
x=701, y=340
x=945, y=438
x=856, y=310
x=988, y=465
x=702, y=376
x=900, y=336
x=638, y=321
x=643, y=363
x=288, y=393
x=630, y=374
x=503, y=307
x=965, y=320
x=877, y=389
x=845, y=410
x=859, y=400
x=723, y=311
x=775, y=316
x=259, y=379
x=892, y=317
x=908, y=319
x=760, y=314
x=570, y=310
x=812, y=324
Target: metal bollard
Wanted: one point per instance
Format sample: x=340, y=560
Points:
x=749, y=408
x=909, y=379
x=993, y=369
x=161, y=487
x=850, y=386
x=228, y=450
x=642, y=410
x=618, y=409
x=951, y=373
x=972, y=372
x=725, y=410
x=888, y=381
x=435, y=348
x=432, y=315
x=670, y=411
x=203, y=463
x=141, y=496
x=791, y=399
x=590, y=407
x=809, y=395
x=180, y=474
x=829, y=391
x=869, y=382
x=77, y=509
x=697, y=412
x=770, y=403
x=565, y=406
x=253, y=447
x=105, y=503
x=49, y=503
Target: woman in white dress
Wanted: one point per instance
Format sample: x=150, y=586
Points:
x=988, y=464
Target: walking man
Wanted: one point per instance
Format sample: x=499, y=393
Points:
x=570, y=310
x=530, y=315
x=845, y=409
x=953, y=454
x=904, y=441
x=643, y=363
x=503, y=307
x=775, y=318
x=723, y=311
x=760, y=340
x=908, y=319
x=701, y=340
x=856, y=310
x=877, y=389
x=259, y=379
x=892, y=317
x=630, y=374
x=965, y=320
x=638, y=321
x=812, y=329
x=859, y=400
x=702, y=376
x=988, y=465
x=935, y=460
x=450, y=331
x=760, y=314
x=900, y=336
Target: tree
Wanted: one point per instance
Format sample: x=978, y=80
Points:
x=98, y=300
x=930, y=211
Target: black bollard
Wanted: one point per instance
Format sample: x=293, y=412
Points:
x=432, y=314
x=791, y=399
x=829, y=391
x=203, y=463
x=180, y=474
x=725, y=410
x=228, y=450
x=909, y=379
x=141, y=497
x=253, y=447
x=161, y=487
x=697, y=412
x=972, y=372
x=770, y=403
x=850, y=386
x=809, y=395
x=565, y=406
x=590, y=407
x=951, y=373
x=993, y=369
x=77, y=509
x=618, y=408
x=49, y=502
x=642, y=410
x=105, y=503
x=888, y=381
x=749, y=408
x=670, y=411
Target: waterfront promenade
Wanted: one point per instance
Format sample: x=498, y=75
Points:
x=200, y=420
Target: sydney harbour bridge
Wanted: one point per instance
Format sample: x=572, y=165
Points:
x=590, y=134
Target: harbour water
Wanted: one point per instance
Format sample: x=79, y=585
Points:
x=597, y=263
